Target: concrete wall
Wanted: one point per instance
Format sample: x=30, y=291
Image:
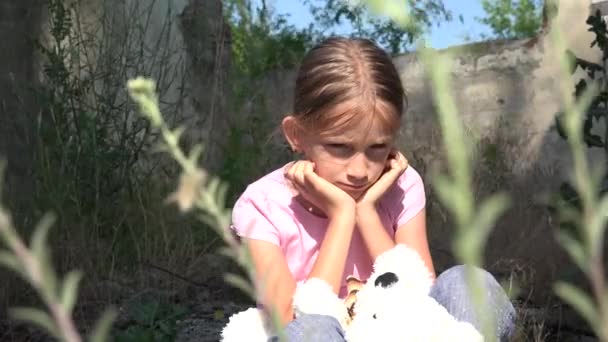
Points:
x=507, y=94
x=181, y=44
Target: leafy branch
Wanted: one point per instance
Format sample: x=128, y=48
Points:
x=197, y=189
x=33, y=264
x=590, y=213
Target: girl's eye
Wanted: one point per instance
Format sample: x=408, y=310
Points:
x=379, y=146
x=377, y=152
x=338, y=150
x=336, y=146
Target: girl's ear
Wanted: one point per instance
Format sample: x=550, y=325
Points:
x=292, y=132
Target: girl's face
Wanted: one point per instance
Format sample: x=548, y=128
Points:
x=352, y=159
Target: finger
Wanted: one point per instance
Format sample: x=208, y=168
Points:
x=399, y=163
x=304, y=192
x=402, y=161
x=299, y=173
x=393, y=153
x=289, y=175
x=311, y=179
x=288, y=169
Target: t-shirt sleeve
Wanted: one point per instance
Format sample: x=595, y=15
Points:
x=250, y=218
x=411, y=198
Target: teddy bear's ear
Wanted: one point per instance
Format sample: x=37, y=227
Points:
x=386, y=279
x=353, y=283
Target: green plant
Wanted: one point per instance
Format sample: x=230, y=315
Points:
x=90, y=146
x=153, y=321
x=90, y=162
x=33, y=264
x=197, y=189
x=85, y=136
x=593, y=115
x=512, y=18
x=474, y=218
x=263, y=41
x=582, y=203
x=399, y=25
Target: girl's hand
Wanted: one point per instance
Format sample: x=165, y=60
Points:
x=316, y=190
x=396, y=165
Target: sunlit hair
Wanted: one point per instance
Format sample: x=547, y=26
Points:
x=343, y=81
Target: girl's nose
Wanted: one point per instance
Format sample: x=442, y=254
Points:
x=357, y=168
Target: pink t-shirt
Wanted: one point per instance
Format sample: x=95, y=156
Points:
x=268, y=211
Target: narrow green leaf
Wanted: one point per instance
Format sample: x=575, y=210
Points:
x=37, y=317
x=69, y=291
x=487, y=215
x=445, y=193
x=7, y=233
x=227, y=252
x=209, y=220
x=39, y=237
x=10, y=261
x=213, y=186
x=177, y=134
x=195, y=154
x=221, y=194
x=102, y=328
x=574, y=248
x=579, y=300
x=240, y=283
x=598, y=223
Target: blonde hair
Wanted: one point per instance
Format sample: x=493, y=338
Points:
x=352, y=71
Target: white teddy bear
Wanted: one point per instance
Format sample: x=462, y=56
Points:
x=393, y=305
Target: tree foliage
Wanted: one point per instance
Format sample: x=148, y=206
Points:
x=512, y=18
x=261, y=40
x=331, y=14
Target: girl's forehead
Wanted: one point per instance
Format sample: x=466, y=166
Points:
x=357, y=117
x=359, y=131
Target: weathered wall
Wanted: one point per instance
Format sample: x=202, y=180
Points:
x=507, y=94
x=182, y=44
x=195, y=56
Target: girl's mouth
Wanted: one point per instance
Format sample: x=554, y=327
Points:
x=350, y=187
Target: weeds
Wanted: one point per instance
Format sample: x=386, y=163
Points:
x=154, y=321
x=33, y=264
x=91, y=165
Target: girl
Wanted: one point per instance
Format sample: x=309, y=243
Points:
x=349, y=198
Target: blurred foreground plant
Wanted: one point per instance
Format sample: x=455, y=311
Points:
x=197, y=189
x=474, y=218
x=584, y=242
x=33, y=264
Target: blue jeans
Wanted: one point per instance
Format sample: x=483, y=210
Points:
x=450, y=290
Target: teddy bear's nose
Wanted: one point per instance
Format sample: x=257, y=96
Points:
x=387, y=279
